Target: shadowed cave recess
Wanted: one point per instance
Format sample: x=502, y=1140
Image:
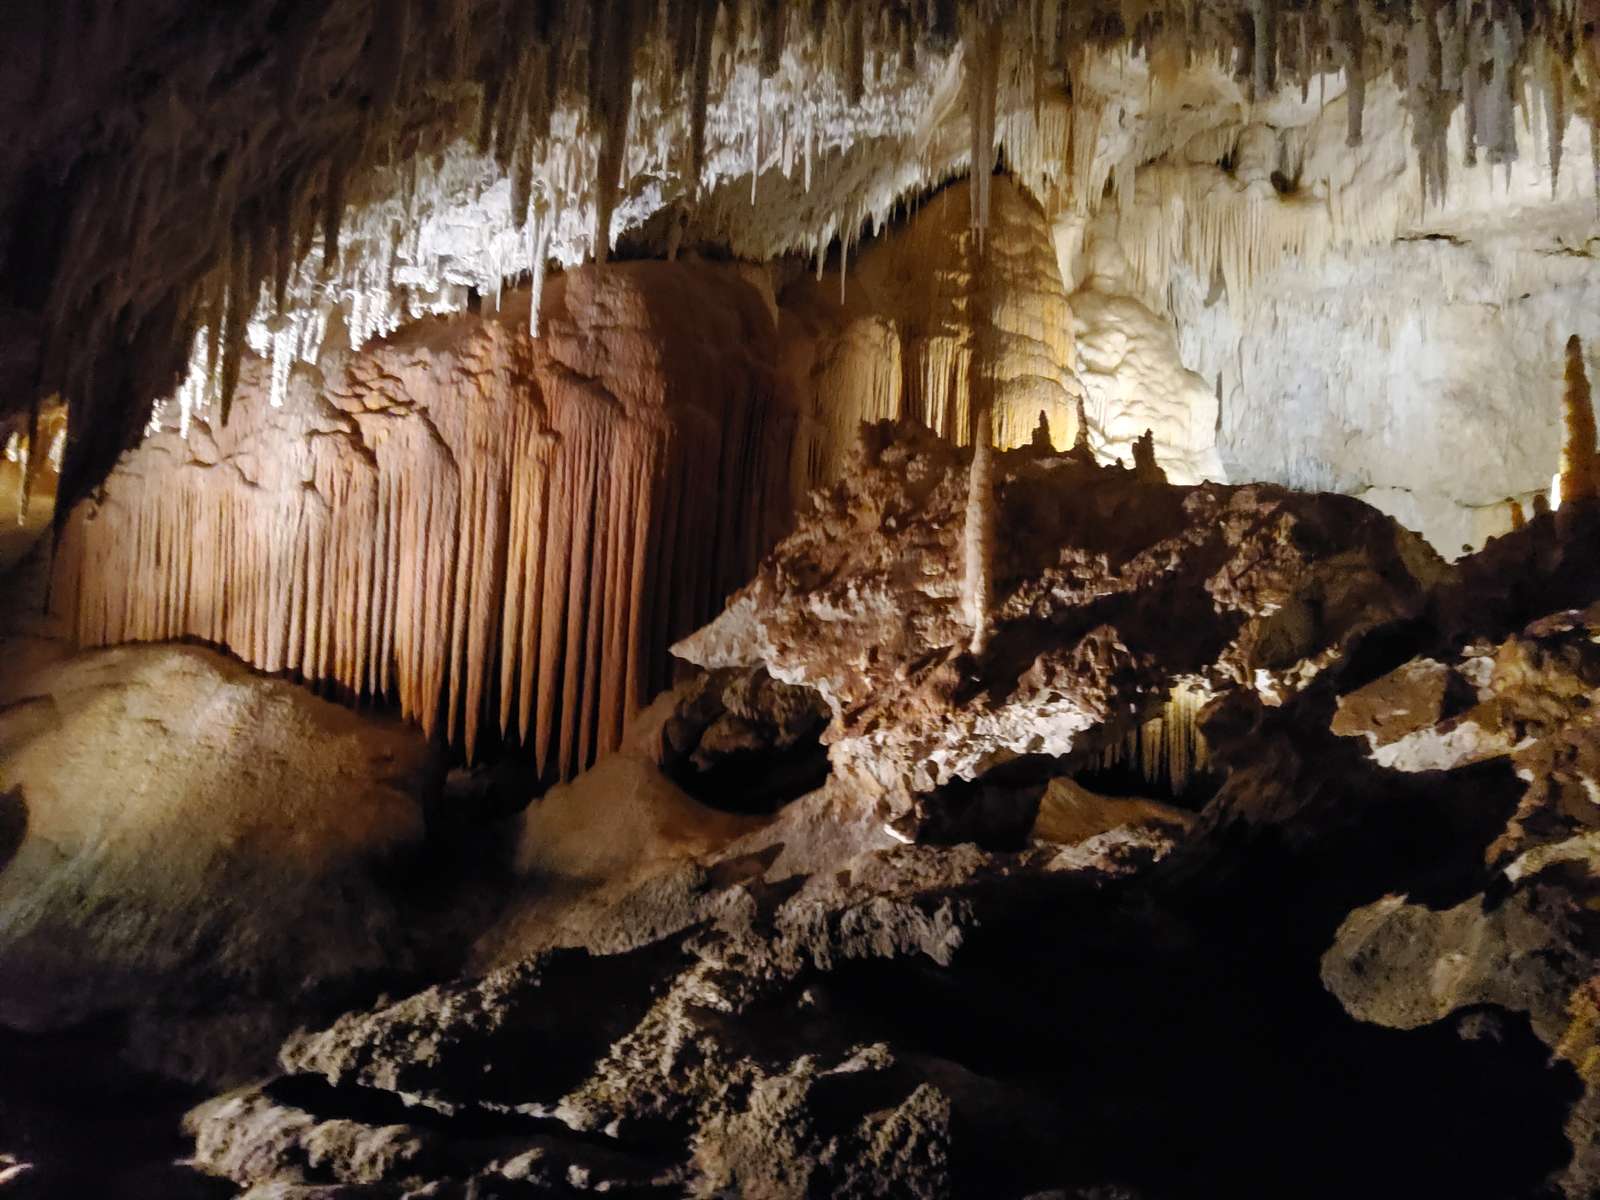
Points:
x=747, y=598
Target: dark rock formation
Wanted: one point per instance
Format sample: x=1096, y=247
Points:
x=1111, y=596
x=1130, y=1001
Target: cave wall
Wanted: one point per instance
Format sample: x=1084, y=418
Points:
x=930, y=322
x=1352, y=319
x=504, y=532
x=501, y=532
x=1423, y=376
x=30, y=473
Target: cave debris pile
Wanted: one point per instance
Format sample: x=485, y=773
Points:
x=1116, y=604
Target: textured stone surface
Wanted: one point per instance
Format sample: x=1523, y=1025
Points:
x=177, y=828
x=1109, y=591
x=928, y=325
x=681, y=1002
x=475, y=522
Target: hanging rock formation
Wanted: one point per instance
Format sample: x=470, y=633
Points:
x=931, y=325
x=232, y=175
x=30, y=470
x=503, y=533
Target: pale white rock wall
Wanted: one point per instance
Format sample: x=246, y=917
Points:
x=1423, y=375
x=1357, y=339
x=1134, y=379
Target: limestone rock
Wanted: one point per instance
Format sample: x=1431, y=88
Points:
x=1460, y=752
x=1109, y=592
x=795, y=1005
x=271, y=815
x=465, y=518
x=674, y=1084
x=1070, y=814
x=932, y=326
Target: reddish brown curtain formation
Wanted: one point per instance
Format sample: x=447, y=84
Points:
x=493, y=530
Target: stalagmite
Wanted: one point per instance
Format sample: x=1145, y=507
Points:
x=1081, y=449
x=1579, y=478
x=978, y=587
x=1145, y=466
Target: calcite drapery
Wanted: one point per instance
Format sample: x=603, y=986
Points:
x=495, y=529
x=932, y=329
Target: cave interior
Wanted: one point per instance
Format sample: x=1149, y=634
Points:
x=777, y=599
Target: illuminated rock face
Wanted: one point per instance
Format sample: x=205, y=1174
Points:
x=502, y=532
x=1320, y=306
x=795, y=1005
x=931, y=323
x=174, y=828
x=30, y=470
x=1107, y=591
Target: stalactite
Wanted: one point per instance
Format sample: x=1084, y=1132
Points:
x=610, y=102
x=1555, y=115
x=235, y=325
x=983, y=53
x=539, y=236
x=1594, y=158
x=390, y=36
x=1430, y=102
x=332, y=216
x=978, y=587
x=855, y=52
x=1264, y=64
x=483, y=534
x=1352, y=43
x=1168, y=749
x=699, y=92
x=549, y=90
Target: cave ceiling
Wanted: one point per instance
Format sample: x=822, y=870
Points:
x=182, y=180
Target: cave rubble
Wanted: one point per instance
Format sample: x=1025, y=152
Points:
x=1112, y=594
x=798, y=1009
